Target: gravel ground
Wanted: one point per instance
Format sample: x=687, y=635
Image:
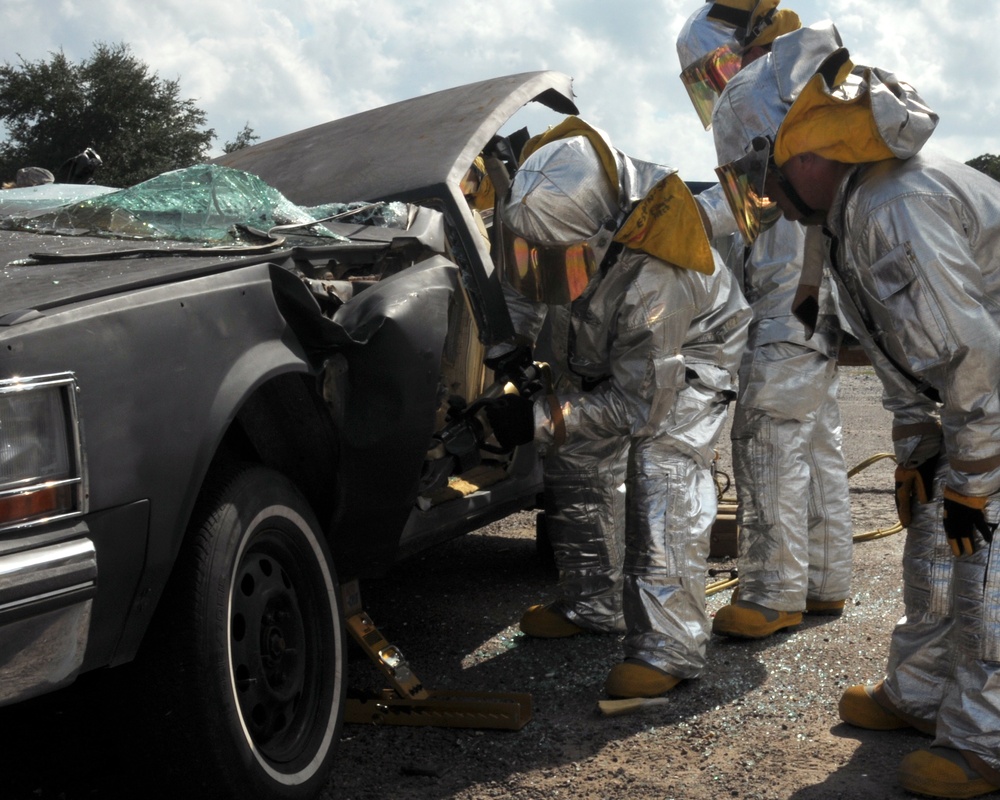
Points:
x=761, y=723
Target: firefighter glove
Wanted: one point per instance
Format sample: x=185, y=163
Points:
x=511, y=365
x=914, y=483
x=963, y=516
x=512, y=419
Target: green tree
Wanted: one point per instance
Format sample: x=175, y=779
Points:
x=244, y=138
x=136, y=122
x=987, y=163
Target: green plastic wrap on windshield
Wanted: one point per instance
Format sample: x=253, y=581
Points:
x=207, y=204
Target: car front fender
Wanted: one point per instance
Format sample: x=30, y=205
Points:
x=383, y=351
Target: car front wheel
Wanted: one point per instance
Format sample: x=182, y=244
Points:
x=258, y=637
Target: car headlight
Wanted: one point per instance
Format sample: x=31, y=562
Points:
x=41, y=469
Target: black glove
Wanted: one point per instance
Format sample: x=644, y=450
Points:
x=914, y=482
x=963, y=515
x=511, y=365
x=512, y=419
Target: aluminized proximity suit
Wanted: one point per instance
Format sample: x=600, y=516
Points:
x=921, y=260
x=644, y=365
x=793, y=508
x=796, y=537
x=584, y=497
x=663, y=344
x=915, y=249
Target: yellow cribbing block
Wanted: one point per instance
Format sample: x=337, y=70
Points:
x=443, y=709
x=408, y=702
x=463, y=485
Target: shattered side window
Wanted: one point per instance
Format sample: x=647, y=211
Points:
x=208, y=204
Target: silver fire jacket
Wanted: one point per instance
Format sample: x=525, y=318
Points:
x=922, y=239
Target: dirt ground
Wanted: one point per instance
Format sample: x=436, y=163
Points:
x=761, y=723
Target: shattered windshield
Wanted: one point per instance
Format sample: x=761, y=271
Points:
x=207, y=204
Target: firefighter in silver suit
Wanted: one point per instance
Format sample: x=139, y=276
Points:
x=914, y=245
x=796, y=536
x=644, y=335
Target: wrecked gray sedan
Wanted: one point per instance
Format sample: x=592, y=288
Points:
x=229, y=391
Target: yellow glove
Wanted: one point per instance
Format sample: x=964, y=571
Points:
x=914, y=482
x=963, y=515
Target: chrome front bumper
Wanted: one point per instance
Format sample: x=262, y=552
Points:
x=46, y=597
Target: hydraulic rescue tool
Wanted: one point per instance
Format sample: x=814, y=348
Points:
x=454, y=458
x=456, y=452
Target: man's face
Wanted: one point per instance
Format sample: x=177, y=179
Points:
x=811, y=179
x=751, y=54
x=776, y=192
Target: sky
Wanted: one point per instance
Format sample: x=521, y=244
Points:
x=282, y=66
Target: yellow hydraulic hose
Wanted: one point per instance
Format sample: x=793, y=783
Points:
x=721, y=586
x=878, y=533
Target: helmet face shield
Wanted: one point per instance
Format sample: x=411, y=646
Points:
x=707, y=77
x=743, y=183
x=555, y=274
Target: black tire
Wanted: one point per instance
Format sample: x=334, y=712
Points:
x=254, y=641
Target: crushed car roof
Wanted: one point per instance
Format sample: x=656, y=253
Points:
x=413, y=150
x=399, y=150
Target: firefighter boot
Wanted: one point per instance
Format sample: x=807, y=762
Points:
x=825, y=608
x=634, y=678
x=942, y=772
x=544, y=622
x=868, y=707
x=747, y=620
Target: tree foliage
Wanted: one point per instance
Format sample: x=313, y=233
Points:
x=244, y=138
x=987, y=163
x=110, y=102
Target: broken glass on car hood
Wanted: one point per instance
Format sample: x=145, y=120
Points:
x=208, y=204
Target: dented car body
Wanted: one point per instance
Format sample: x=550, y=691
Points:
x=199, y=443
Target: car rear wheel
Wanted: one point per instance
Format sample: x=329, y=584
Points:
x=257, y=633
